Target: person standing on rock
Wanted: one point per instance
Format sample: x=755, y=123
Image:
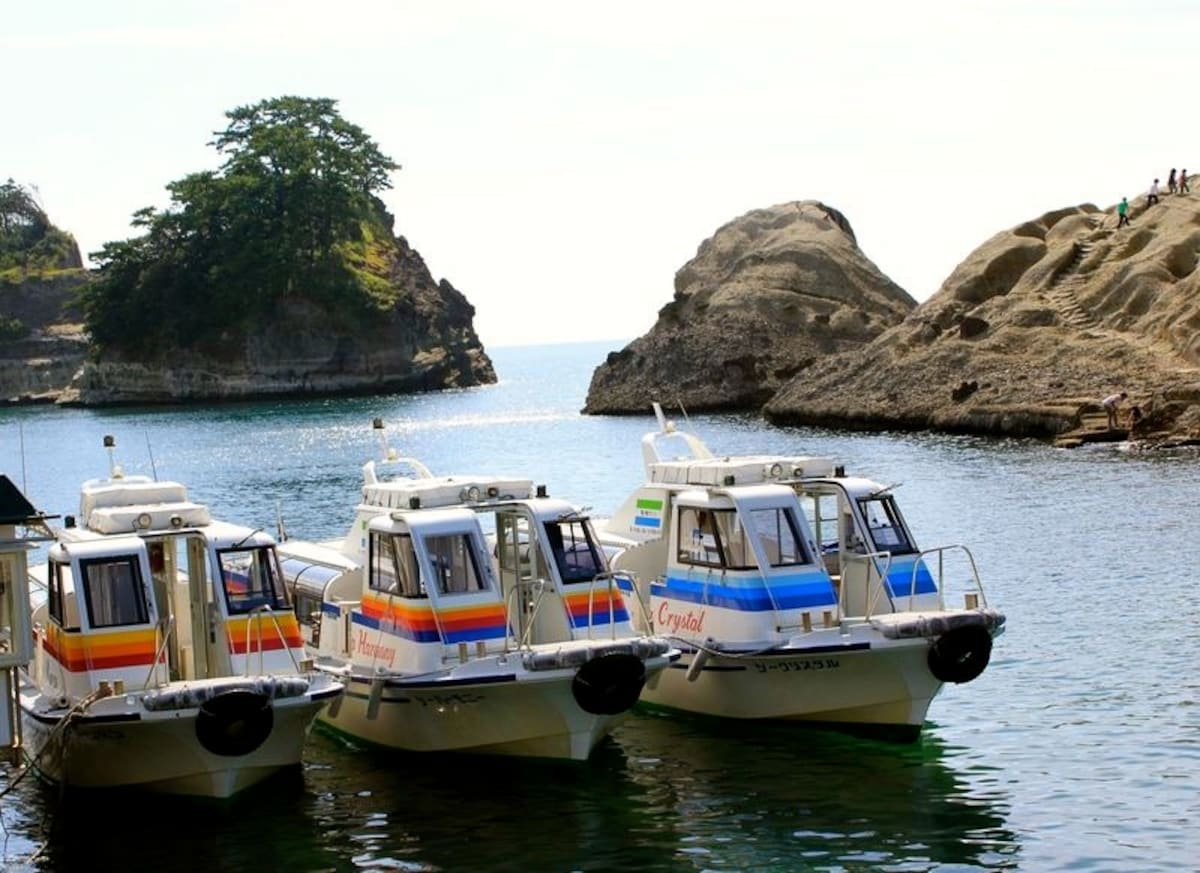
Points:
x=1183, y=185
x=1110, y=404
x=1123, y=213
x=1171, y=181
x=1152, y=196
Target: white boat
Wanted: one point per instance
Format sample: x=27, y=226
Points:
x=167, y=656
x=795, y=592
x=447, y=640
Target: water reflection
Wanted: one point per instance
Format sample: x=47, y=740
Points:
x=782, y=797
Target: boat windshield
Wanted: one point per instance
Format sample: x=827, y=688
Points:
x=574, y=550
x=454, y=564
x=393, y=566
x=885, y=525
x=777, y=532
x=713, y=538
x=251, y=579
x=113, y=591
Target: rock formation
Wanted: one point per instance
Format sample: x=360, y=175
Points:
x=1030, y=331
x=768, y=295
x=427, y=341
x=44, y=345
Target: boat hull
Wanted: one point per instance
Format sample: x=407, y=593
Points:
x=160, y=751
x=524, y=714
x=884, y=686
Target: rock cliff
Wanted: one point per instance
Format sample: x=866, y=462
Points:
x=771, y=293
x=1030, y=331
x=45, y=345
x=426, y=341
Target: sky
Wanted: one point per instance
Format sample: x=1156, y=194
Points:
x=561, y=161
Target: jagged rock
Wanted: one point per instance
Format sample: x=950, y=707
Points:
x=1074, y=309
x=770, y=293
x=425, y=342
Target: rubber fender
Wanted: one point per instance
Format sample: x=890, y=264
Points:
x=610, y=684
x=235, y=723
x=961, y=654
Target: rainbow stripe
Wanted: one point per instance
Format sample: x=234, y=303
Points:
x=264, y=633
x=601, y=599
x=416, y=621
x=80, y=652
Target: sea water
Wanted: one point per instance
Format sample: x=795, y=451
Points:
x=1078, y=748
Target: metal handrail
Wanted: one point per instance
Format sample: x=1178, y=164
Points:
x=871, y=558
x=941, y=590
x=259, y=611
x=159, y=648
x=524, y=642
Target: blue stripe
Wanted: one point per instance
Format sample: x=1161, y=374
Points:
x=900, y=579
x=644, y=521
x=331, y=609
x=786, y=592
x=406, y=633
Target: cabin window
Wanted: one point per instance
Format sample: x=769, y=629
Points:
x=57, y=596
x=251, y=579
x=885, y=526
x=454, y=564
x=394, y=566
x=113, y=591
x=778, y=535
x=574, y=551
x=713, y=538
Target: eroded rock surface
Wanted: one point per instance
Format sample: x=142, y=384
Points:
x=1030, y=331
x=768, y=295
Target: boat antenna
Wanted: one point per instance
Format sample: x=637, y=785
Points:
x=683, y=411
x=885, y=489
x=21, y=436
x=279, y=523
x=114, y=469
x=150, y=450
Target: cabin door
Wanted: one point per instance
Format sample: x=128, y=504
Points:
x=202, y=623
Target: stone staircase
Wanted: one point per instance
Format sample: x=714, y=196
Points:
x=1063, y=290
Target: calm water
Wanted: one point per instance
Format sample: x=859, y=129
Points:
x=1078, y=749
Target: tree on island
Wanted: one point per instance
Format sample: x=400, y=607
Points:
x=29, y=243
x=292, y=211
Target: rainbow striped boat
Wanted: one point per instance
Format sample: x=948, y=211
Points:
x=515, y=642
x=167, y=655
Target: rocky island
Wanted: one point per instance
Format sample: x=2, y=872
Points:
x=767, y=296
x=781, y=311
x=278, y=275
x=1030, y=331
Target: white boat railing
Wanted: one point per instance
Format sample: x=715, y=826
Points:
x=258, y=613
x=973, y=597
x=167, y=626
x=872, y=561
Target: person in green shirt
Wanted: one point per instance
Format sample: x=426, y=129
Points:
x=1123, y=213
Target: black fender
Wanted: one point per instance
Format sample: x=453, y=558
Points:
x=235, y=723
x=610, y=684
x=961, y=654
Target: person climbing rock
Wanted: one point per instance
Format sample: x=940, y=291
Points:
x=1183, y=185
x=1171, y=182
x=1123, y=213
x=1152, y=194
x=1110, y=404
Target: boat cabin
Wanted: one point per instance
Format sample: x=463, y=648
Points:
x=215, y=590
x=741, y=564
x=540, y=575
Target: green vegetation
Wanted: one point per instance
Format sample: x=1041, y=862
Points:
x=12, y=329
x=291, y=213
x=29, y=244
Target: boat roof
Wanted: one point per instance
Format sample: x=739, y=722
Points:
x=740, y=470
x=440, y=491
x=138, y=504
